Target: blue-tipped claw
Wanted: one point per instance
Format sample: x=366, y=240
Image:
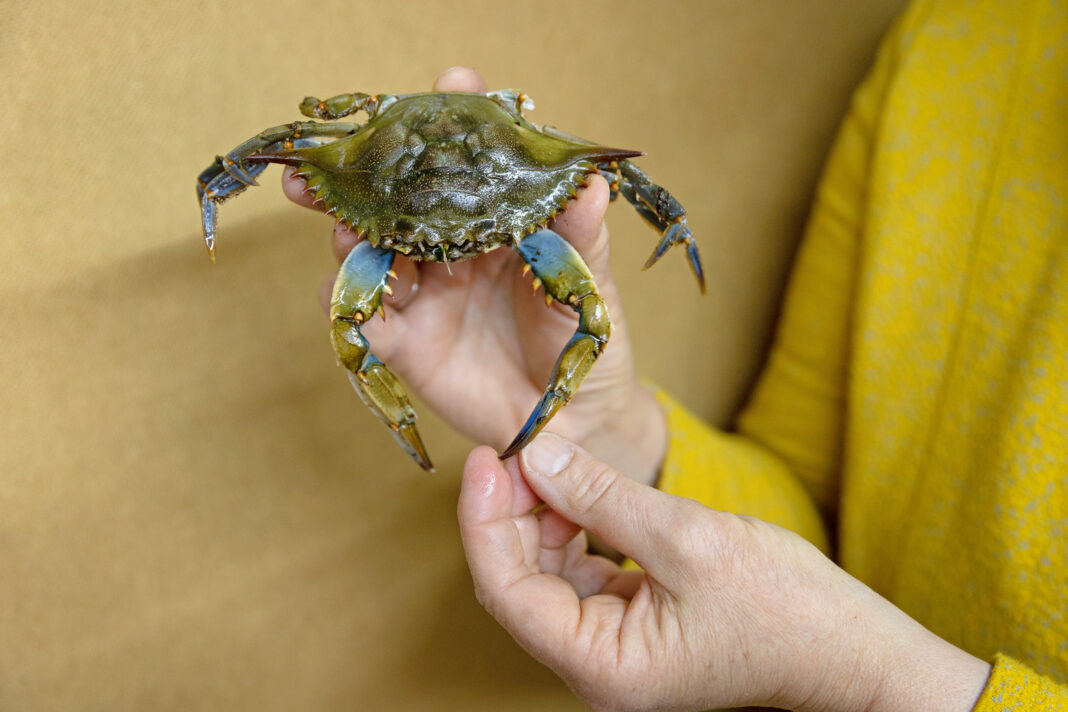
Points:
x=543, y=412
x=677, y=234
x=666, y=242
x=695, y=263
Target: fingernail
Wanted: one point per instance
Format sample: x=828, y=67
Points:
x=548, y=455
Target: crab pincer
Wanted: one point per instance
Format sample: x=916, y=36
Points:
x=357, y=297
x=567, y=279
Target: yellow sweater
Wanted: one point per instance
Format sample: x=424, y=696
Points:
x=916, y=398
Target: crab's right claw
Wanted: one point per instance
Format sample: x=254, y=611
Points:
x=566, y=279
x=659, y=208
x=679, y=233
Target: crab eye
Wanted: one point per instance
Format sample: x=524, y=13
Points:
x=414, y=143
x=473, y=143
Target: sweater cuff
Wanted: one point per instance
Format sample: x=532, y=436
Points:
x=1014, y=686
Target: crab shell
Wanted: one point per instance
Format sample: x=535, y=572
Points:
x=446, y=177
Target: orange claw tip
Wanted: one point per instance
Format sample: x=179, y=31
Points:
x=408, y=438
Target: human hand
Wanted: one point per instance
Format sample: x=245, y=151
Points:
x=477, y=346
x=729, y=610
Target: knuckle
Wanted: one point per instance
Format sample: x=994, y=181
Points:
x=595, y=484
x=693, y=537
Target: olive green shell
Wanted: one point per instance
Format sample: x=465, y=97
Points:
x=447, y=176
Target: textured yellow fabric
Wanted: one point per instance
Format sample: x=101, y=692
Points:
x=1013, y=686
x=918, y=385
x=695, y=449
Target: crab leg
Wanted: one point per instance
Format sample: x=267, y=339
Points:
x=659, y=208
x=567, y=279
x=231, y=174
x=342, y=105
x=357, y=296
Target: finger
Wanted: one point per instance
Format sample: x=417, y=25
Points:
x=498, y=553
x=296, y=189
x=344, y=240
x=540, y=610
x=524, y=501
x=556, y=531
x=582, y=224
x=587, y=573
x=460, y=79
x=634, y=519
x=624, y=584
x=326, y=290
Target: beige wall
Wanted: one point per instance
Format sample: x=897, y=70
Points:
x=195, y=510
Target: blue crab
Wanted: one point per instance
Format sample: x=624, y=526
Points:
x=447, y=176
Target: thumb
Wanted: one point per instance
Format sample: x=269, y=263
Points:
x=638, y=521
x=582, y=224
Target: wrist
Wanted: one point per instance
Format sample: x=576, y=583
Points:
x=931, y=674
x=884, y=661
x=634, y=439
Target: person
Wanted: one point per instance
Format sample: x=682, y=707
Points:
x=915, y=403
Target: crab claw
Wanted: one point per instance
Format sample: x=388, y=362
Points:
x=380, y=391
x=567, y=279
x=679, y=233
x=660, y=209
x=357, y=296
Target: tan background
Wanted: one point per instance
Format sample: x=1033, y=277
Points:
x=195, y=510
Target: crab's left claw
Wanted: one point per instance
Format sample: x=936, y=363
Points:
x=567, y=279
x=380, y=391
x=357, y=297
